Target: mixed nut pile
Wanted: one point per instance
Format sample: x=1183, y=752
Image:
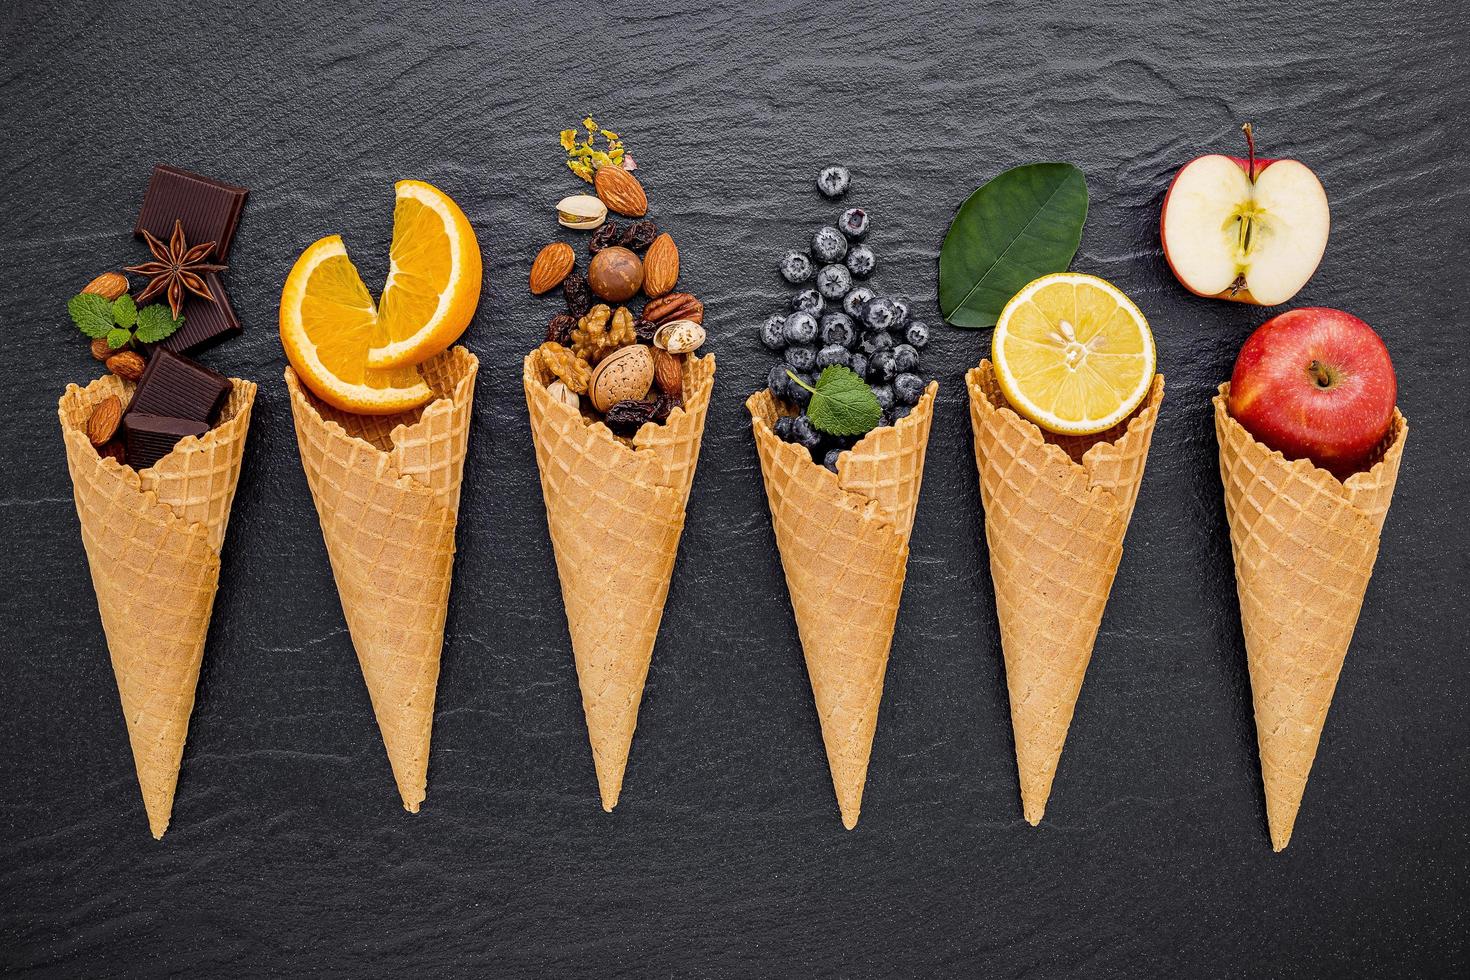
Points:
x=617, y=366
x=837, y=322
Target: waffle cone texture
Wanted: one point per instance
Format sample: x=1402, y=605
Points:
x=1304, y=544
x=844, y=544
x=153, y=541
x=386, y=490
x=1056, y=511
x=615, y=511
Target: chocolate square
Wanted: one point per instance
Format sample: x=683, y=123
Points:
x=149, y=438
x=175, y=387
x=205, y=323
x=209, y=209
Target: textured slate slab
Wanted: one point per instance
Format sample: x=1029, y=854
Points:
x=289, y=853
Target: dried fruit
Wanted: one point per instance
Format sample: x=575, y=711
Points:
x=114, y=450
x=625, y=374
x=644, y=330
x=679, y=336
x=605, y=237
x=674, y=306
x=601, y=332
x=570, y=369
x=109, y=285
x=560, y=328
x=615, y=274
x=626, y=417
x=565, y=395
x=551, y=267
x=668, y=372
x=640, y=235
x=582, y=212
x=102, y=423
x=102, y=350
x=665, y=406
x=577, y=293
x=661, y=267
x=127, y=364
x=620, y=191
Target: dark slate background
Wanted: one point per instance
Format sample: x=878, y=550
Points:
x=289, y=852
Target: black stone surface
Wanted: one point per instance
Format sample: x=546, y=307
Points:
x=289, y=853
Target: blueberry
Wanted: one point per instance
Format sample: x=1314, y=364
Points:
x=917, y=334
x=833, y=181
x=801, y=358
x=833, y=281
x=901, y=412
x=784, y=426
x=905, y=358
x=832, y=354
x=796, y=393
x=828, y=245
x=796, y=267
x=838, y=328
x=853, y=223
x=903, y=308
x=830, y=460
x=778, y=382
x=800, y=328
x=773, y=332
x=884, y=394
x=880, y=313
x=877, y=340
x=861, y=261
x=908, y=388
x=809, y=300
x=806, y=433
x=855, y=300
x=859, y=364
x=880, y=366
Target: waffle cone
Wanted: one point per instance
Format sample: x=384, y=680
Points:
x=844, y=543
x=386, y=490
x=153, y=543
x=1056, y=511
x=615, y=512
x=1304, y=545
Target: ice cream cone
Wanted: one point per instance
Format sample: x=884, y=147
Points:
x=1056, y=511
x=387, y=495
x=844, y=543
x=153, y=543
x=1304, y=545
x=615, y=512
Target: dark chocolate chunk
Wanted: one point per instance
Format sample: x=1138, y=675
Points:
x=205, y=323
x=149, y=438
x=209, y=209
x=175, y=387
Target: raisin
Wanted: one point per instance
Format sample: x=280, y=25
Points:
x=559, y=329
x=578, y=294
x=664, y=406
x=644, y=330
x=627, y=416
x=640, y=235
x=605, y=237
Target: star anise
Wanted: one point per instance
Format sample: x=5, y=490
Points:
x=178, y=267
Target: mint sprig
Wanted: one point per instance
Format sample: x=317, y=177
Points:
x=120, y=321
x=842, y=403
x=91, y=313
x=156, y=323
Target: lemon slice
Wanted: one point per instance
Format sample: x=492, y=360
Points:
x=328, y=325
x=1073, y=354
x=434, y=274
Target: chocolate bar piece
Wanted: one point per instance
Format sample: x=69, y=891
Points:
x=205, y=323
x=209, y=209
x=149, y=438
x=175, y=387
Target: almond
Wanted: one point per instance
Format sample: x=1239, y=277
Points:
x=674, y=306
x=101, y=349
x=620, y=191
x=109, y=285
x=668, y=372
x=660, y=266
x=552, y=265
x=127, y=364
x=102, y=424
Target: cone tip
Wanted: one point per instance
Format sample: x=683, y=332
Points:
x=1034, y=814
x=849, y=819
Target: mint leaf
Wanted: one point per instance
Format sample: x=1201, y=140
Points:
x=842, y=403
x=118, y=337
x=91, y=313
x=156, y=323
x=124, y=311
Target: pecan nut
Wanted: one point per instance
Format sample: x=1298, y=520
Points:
x=674, y=306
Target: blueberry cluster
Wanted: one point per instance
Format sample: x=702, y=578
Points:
x=835, y=319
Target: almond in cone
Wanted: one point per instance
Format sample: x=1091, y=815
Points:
x=1056, y=511
x=386, y=490
x=153, y=543
x=615, y=512
x=1304, y=545
x=844, y=543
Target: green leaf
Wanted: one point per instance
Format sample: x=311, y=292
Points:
x=842, y=403
x=1023, y=224
x=118, y=337
x=91, y=313
x=156, y=323
x=124, y=311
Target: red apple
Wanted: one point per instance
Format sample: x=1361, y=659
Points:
x=1318, y=384
x=1249, y=230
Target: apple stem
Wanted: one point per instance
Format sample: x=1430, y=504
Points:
x=1250, y=149
x=1319, y=373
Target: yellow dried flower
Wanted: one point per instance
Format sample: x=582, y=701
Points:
x=609, y=134
x=568, y=139
x=591, y=126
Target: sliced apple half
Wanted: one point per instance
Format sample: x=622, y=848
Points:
x=1253, y=241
